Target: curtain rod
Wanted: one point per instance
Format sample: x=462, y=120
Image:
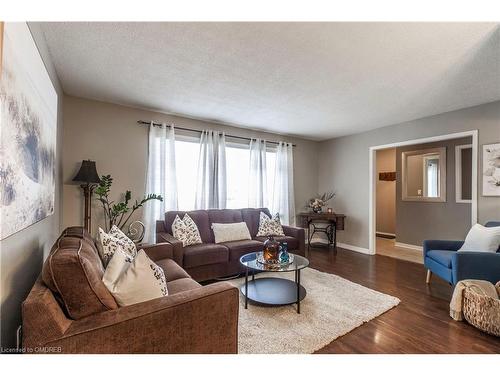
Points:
x=141, y=122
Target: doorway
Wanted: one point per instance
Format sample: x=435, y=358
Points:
x=400, y=218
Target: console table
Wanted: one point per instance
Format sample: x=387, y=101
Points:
x=334, y=222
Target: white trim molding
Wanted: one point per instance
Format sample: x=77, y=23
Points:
x=373, y=168
x=458, y=173
x=409, y=246
x=358, y=249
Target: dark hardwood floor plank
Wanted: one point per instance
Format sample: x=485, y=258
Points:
x=419, y=324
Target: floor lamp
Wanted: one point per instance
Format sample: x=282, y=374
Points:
x=88, y=177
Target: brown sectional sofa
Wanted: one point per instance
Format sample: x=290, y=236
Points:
x=69, y=309
x=208, y=260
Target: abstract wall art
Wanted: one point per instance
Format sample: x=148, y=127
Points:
x=28, y=132
x=491, y=170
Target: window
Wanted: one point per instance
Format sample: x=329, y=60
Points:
x=237, y=164
x=186, y=165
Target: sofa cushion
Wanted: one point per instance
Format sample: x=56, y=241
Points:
x=204, y=254
x=239, y=248
x=226, y=232
x=134, y=280
x=482, y=239
x=224, y=216
x=73, y=272
x=182, y=285
x=186, y=230
x=172, y=270
x=293, y=243
x=109, y=244
x=251, y=216
x=270, y=225
x=442, y=257
x=200, y=217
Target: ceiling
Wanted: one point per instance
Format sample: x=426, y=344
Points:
x=312, y=80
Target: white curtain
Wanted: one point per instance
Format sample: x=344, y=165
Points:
x=160, y=177
x=211, y=185
x=283, y=200
x=257, y=187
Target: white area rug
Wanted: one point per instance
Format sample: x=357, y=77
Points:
x=333, y=307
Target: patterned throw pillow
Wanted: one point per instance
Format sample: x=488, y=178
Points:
x=186, y=231
x=135, y=280
x=270, y=226
x=109, y=244
x=116, y=232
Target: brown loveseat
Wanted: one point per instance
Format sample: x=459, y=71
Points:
x=69, y=309
x=208, y=260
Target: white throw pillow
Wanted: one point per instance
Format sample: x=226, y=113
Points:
x=109, y=244
x=117, y=265
x=186, y=231
x=135, y=280
x=230, y=232
x=270, y=226
x=482, y=239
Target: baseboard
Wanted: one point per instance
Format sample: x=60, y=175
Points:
x=386, y=234
x=409, y=246
x=358, y=249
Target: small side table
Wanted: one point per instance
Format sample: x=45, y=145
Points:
x=334, y=222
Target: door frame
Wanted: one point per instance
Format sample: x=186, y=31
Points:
x=373, y=174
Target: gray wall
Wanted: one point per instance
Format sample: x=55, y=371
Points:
x=386, y=192
x=108, y=133
x=417, y=221
x=22, y=254
x=344, y=163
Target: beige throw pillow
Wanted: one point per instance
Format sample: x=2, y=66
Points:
x=186, y=231
x=134, y=280
x=230, y=232
x=270, y=226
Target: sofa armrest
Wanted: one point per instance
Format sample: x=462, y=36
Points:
x=475, y=265
x=177, y=247
x=299, y=234
x=158, y=251
x=203, y=320
x=429, y=245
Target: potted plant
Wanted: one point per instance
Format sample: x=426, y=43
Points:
x=118, y=213
x=317, y=203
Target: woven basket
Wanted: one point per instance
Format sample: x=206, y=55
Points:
x=482, y=312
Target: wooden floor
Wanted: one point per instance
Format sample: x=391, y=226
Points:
x=419, y=324
x=387, y=247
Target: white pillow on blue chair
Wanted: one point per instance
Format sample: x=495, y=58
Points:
x=482, y=239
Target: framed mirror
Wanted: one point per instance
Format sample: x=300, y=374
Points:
x=424, y=175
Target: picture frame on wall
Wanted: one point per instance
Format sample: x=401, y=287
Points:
x=491, y=170
x=28, y=116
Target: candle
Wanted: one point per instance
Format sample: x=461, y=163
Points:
x=330, y=210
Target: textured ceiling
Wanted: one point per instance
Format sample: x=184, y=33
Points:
x=313, y=80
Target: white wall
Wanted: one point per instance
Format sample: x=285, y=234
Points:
x=344, y=163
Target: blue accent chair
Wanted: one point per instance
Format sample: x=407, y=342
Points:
x=441, y=258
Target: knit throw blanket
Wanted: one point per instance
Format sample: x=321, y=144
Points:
x=481, y=287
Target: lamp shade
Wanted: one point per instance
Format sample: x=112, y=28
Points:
x=87, y=173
